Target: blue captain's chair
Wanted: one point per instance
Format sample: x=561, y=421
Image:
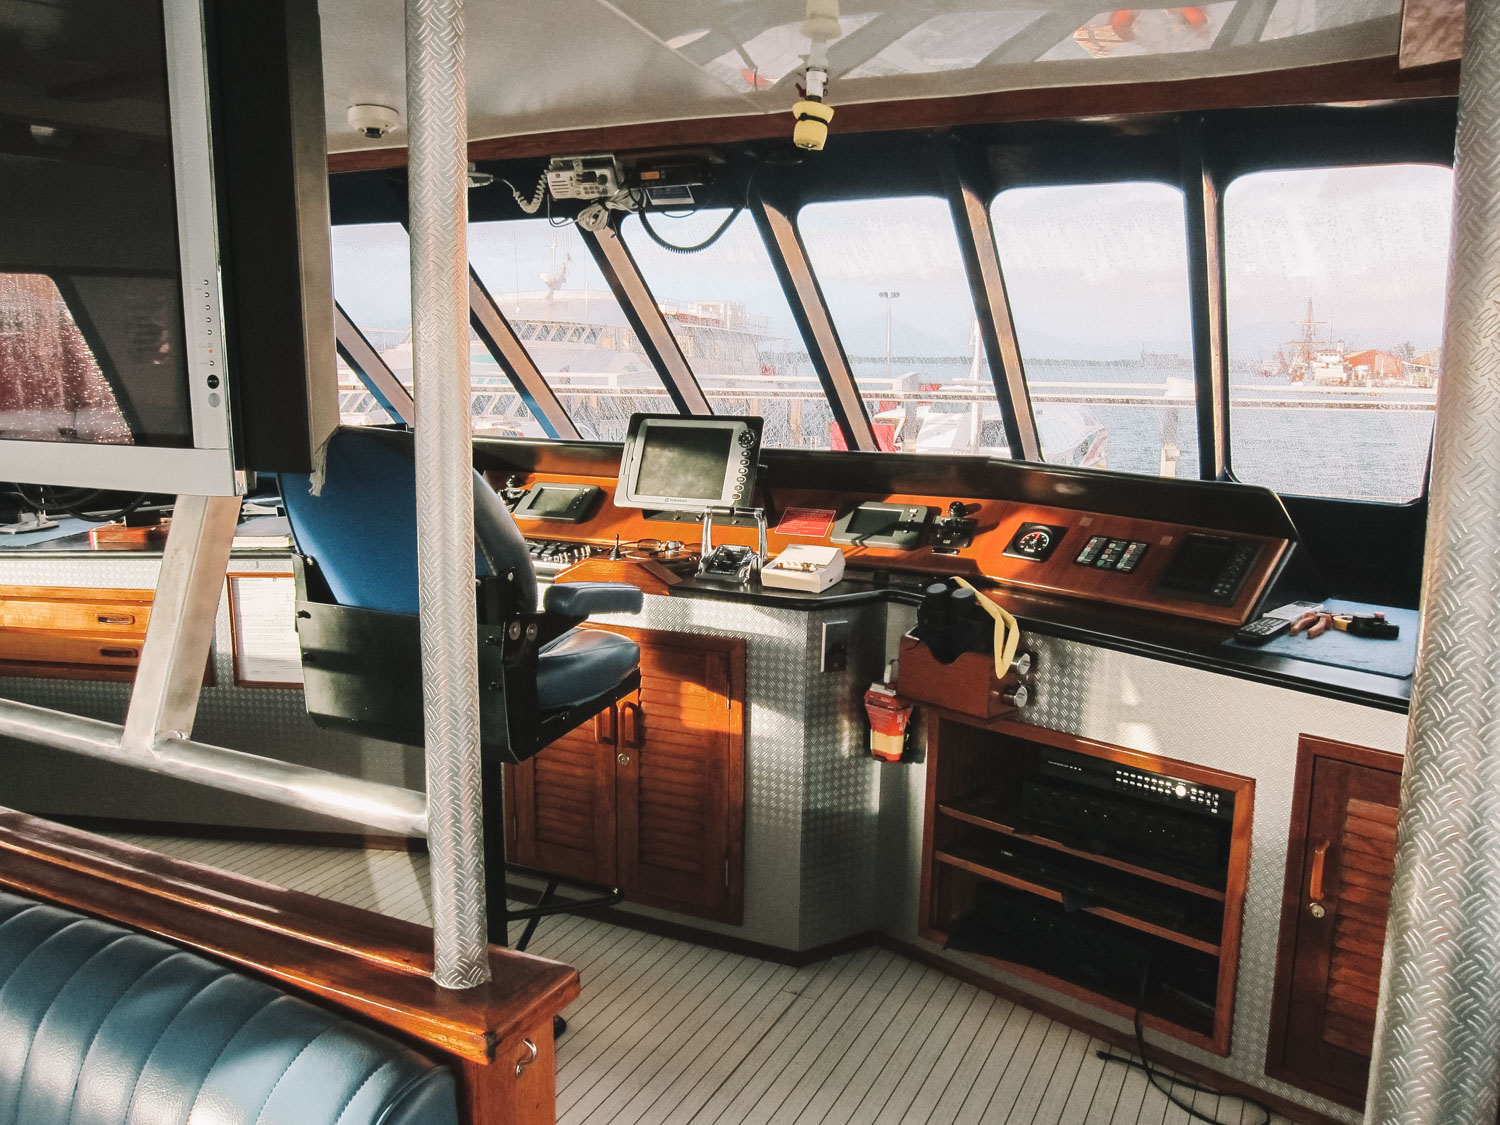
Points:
x=357, y=610
x=356, y=564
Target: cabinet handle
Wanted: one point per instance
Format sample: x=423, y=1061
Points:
x=604, y=726
x=1315, y=880
x=526, y=1059
x=632, y=725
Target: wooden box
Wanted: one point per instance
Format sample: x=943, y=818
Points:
x=968, y=685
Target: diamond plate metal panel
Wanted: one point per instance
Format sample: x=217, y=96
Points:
x=1437, y=1042
x=1214, y=720
x=438, y=207
x=809, y=787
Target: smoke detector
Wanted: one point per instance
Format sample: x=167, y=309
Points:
x=373, y=121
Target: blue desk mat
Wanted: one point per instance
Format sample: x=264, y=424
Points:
x=1395, y=658
x=66, y=525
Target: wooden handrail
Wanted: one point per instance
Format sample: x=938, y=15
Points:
x=374, y=967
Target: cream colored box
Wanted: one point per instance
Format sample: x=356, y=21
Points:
x=805, y=567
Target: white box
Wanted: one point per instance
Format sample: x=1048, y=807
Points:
x=805, y=567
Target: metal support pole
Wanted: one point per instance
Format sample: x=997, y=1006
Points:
x=1437, y=1042
x=438, y=182
x=180, y=634
x=969, y=204
x=617, y=265
x=1205, y=242
x=501, y=340
x=805, y=297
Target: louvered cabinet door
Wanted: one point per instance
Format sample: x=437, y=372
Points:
x=563, y=805
x=1334, y=933
x=680, y=778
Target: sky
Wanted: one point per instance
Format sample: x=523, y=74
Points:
x=1093, y=272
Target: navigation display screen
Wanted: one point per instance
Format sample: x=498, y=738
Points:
x=1198, y=564
x=551, y=501
x=91, y=306
x=686, y=462
x=870, y=523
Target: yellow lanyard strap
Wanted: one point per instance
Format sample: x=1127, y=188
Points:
x=1007, y=632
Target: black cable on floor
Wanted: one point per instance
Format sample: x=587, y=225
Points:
x=1145, y=1065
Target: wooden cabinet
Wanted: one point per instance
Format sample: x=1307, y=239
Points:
x=72, y=632
x=650, y=796
x=1341, y=855
x=1109, y=875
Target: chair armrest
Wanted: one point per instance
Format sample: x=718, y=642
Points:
x=581, y=599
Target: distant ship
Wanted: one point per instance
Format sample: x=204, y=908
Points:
x=1312, y=361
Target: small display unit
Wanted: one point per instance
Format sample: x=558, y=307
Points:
x=565, y=503
x=1209, y=568
x=672, y=463
x=882, y=525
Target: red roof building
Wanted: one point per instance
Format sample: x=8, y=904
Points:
x=1376, y=366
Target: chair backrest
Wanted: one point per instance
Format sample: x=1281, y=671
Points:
x=361, y=529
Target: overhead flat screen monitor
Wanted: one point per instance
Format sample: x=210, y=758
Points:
x=132, y=332
x=672, y=463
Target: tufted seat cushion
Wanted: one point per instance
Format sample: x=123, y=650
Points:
x=581, y=664
x=100, y=1025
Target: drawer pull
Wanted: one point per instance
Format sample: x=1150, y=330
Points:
x=115, y=619
x=121, y=653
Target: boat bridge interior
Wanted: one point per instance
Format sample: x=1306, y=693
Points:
x=726, y=561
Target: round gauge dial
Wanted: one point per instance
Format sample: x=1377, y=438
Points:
x=1034, y=542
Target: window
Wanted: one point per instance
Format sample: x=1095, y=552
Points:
x=51, y=387
x=893, y=277
x=372, y=281
x=543, y=279
x=730, y=317
x=1098, y=284
x=1335, y=309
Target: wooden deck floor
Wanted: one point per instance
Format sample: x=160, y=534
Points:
x=670, y=1033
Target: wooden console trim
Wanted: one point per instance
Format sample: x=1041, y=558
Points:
x=645, y=575
x=996, y=524
x=375, y=967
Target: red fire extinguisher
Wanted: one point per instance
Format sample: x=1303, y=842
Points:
x=890, y=715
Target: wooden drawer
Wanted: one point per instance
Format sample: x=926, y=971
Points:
x=73, y=632
x=69, y=609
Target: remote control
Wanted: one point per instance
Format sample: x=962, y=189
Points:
x=1259, y=632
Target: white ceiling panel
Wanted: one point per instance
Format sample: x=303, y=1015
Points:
x=543, y=65
x=533, y=66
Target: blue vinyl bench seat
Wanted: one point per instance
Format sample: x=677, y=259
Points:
x=100, y=1025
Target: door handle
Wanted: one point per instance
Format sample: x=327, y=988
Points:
x=632, y=725
x=604, y=726
x=1315, y=880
